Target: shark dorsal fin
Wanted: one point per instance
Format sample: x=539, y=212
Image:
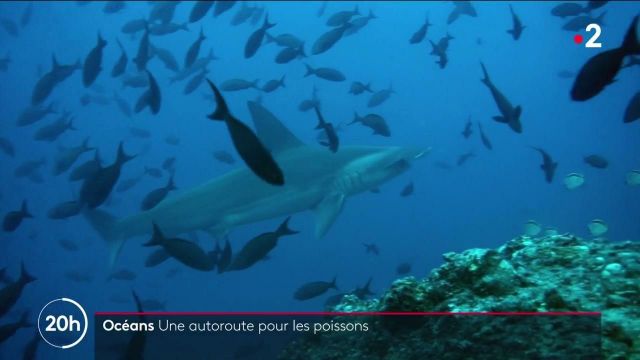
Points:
x=273, y=134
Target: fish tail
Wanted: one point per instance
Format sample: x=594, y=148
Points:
x=25, y=277
x=320, y=118
x=356, y=118
x=25, y=212
x=222, y=111
x=101, y=42
x=267, y=24
x=631, y=44
x=284, y=229
x=157, y=238
x=108, y=227
x=486, y=79
x=122, y=156
x=310, y=70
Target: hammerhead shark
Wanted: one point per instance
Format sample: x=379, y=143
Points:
x=316, y=179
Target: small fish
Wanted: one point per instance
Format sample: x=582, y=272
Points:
x=598, y=227
x=186, y=252
x=325, y=73
x=7, y=147
x=93, y=63
x=134, y=26
x=33, y=114
x=153, y=172
x=380, y=96
x=163, y=11
x=548, y=166
x=13, y=219
x=121, y=65
x=68, y=245
x=273, y=85
x=407, y=190
x=485, y=139
x=532, y=228
x=53, y=131
x=358, y=88
x=633, y=178
x=573, y=181
x=9, y=329
x=580, y=23
x=199, y=10
x=166, y=57
x=155, y=97
x=403, y=268
x=314, y=289
x=342, y=17
x=285, y=40
x=66, y=157
x=464, y=158
x=461, y=8
x=249, y=147
x=632, y=112
x=156, y=196
x=144, y=51
x=122, y=274
x=96, y=189
x=600, y=70
x=567, y=9
x=224, y=157
x=64, y=210
x=421, y=33
x=195, y=82
x=509, y=115
x=239, y=84
x=373, y=121
x=468, y=129
x=333, y=142
x=157, y=257
x=243, y=14
x=371, y=249
x=596, y=161
x=517, y=29
x=357, y=24
x=167, y=28
x=288, y=54
x=10, y=294
x=327, y=40
x=194, y=50
x=114, y=6
x=255, y=39
x=259, y=247
x=222, y=7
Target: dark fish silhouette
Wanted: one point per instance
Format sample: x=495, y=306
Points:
x=364, y=291
x=632, y=112
x=516, y=31
x=373, y=121
x=144, y=51
x=314, y=289
x=333, y=142
x=509, y=115
x=10, y=294
x=327, y=40
x=342, y=17
x=249, y=147
x=464, y=158
x=255, y=39
x=568, y=9
x=194, y=50
x=468, y=129
x=548, y=166
x=580, y=23
x=222, y=7
x=596, y=161
x=156, y=196
x=65, y=210
x=121, y=65
x=407, y=190
x=199, y=10
x=358, y=88
x=461, y=8
x=325, y=73
x=8, y=330
x=371, y=248
x=483, y=137
x=224, y=157
x=13, y=219
x=273, y=85
x=600, y=70
x=259, y=247
x=96, y=189
x=184, y=251
x=136, y=345
x=421, y=33
x=93, y=63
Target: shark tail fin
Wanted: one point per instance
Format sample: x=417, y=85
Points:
x=631, y=45
x=107, y=226
x=157, y=238
x=222, y=111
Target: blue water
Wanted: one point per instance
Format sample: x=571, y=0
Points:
x=483, y=203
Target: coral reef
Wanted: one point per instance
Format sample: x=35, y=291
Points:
x=552, y=273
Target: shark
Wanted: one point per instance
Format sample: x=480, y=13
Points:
x=315, y=179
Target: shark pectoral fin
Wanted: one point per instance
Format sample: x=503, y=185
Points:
x=327, y=211
x=501, y=119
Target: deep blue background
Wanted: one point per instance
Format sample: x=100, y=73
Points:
x=481, y=204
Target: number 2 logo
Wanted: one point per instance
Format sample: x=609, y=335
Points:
x=591, y=43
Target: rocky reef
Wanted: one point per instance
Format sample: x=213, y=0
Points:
x=551, y=273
